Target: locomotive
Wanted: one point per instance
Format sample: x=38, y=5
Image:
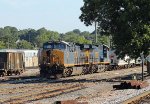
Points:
x=63, y=59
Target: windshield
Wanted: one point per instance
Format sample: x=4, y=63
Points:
x=48, y=46
x=54, y=46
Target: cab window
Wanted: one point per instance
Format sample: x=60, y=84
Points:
x=59, y=46
x=48, y=46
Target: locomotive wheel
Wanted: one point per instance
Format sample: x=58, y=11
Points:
x=96, y=68
x=22, y=71
x=110, y=67
x=68, y=72
x=84, y=70
x=17, y=72
x=102, y=68
x=2, y=74
x=126, y=66
x=9, y=73
x=116, y=67
x=93, y=69
x=106, y=68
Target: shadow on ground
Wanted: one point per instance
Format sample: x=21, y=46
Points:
x=37, y=79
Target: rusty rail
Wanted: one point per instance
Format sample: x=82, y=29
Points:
x=137, y=99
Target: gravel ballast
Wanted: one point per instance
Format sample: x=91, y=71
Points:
x=101, y=92
x=98, y=87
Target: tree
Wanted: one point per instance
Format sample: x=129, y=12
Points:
x=23, y=44
x=87, y=35
x=2, y=45
x=45, y=36
x=41, y=31
x=9, y=35
x=103, y=40
x=28, y=35
x=76, y=38
x=77, y=31
x=127, y=21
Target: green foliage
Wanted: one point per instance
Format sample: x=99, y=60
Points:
x=2, y=45
x=103, y=40
x=45, y=35
x=10, y=37
x=127, y=21
x=28, y=35
x=76, y=38
x=77, y=31
x=23, y=44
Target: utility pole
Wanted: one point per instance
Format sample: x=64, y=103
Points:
x=95, y=32
x=29, y=37
x=142, y=57
x=110, y=41
x=8, y=44
x=148, y=62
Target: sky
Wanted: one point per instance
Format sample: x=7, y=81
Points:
x=56, y=15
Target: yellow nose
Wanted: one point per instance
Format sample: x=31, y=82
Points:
x=57, y=56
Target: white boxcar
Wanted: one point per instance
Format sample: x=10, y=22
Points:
x=30, y=56
x=126, y=61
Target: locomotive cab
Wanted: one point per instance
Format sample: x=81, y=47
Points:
x=54, y=58
x=53, y=51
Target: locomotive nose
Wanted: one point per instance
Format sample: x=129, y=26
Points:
x=57, y=57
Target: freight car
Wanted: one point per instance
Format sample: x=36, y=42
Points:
x=11, y=63
x=30, y=56
x=121, y=63
x=60, y=58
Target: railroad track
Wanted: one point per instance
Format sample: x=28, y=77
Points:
x=45, y=92
x=24, y=89
x=28, y=90
x=5, y=90
x=31, y=85
x=143, y=98
x=11, y=78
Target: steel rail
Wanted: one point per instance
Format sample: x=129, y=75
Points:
x=136, y=99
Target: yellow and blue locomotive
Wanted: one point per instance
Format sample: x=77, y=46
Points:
x=63, y=59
